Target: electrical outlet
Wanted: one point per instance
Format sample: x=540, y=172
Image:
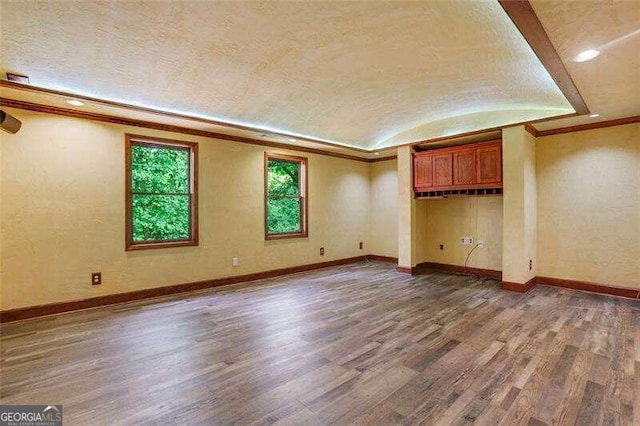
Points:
x=235, y=261
x=321, y=251
x=361, y=245
x=466, y=240
x=96, y=278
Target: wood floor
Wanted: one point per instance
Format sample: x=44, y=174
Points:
x=353, y=344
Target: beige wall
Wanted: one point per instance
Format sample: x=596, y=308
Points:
x=530, y=206
x=406, y=210
x=383, y=235
x=63, y=213
x=445, y=221
x=519, y=205
x=412, y=232
x=589, y=205
x=422, y=230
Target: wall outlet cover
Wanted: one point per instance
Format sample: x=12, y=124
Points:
x=96, y=278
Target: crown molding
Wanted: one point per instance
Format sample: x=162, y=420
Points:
x=376, y=160
x=11, y=103
x=588, y=126
x=532, y=130
x=129, y=107
x=489, y=130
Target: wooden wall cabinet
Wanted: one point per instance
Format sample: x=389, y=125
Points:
x=423, y=171
x=443, y=169
x=489, y=160
x=465, y=167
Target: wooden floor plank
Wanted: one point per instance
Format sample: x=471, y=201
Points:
x=354, y=344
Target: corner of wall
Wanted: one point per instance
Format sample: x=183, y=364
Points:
x=406, y=209
x=519, y=208
x=588, y=206
x=383, y=211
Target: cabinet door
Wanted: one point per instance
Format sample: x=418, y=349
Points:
x=464, y=167
x=489, y=163
x=442, y=169
x=422, y=171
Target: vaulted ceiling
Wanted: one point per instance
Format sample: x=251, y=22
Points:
x=367, y=75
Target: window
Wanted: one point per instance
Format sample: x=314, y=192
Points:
x=285, y=196
x=162, y=193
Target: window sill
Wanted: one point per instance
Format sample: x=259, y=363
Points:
x=285, y=236
x=160, y=245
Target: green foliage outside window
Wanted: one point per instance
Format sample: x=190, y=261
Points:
x=161, y=193
x=284, y=202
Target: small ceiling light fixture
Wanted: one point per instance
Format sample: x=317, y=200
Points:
x=292, y=139
x=376, y=153
x=594, y=115
x=74, y=102
x=586, y=55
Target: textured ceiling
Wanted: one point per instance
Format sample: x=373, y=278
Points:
x=30, y=95
x=610, y=83
x=365, y=74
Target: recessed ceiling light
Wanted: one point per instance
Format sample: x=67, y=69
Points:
x=74, y=102
x=376, y=153
x=586, y=55
x=594, y=115
x=292, y=139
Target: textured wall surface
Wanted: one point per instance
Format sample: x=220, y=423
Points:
x=421, y=231
x=383, y=215
x=407, y=231
x=530, y=207
x=63, y=213
x=449, y=219
x=589, y=205
x=313, y=68
x=519, y=205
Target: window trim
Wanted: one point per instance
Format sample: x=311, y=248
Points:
x=304, y=195
x=131, y=140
